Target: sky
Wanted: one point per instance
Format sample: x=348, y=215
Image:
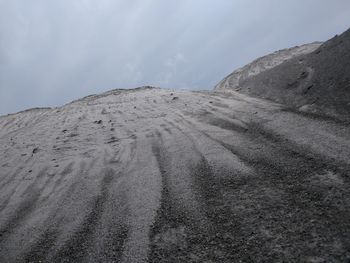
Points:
x=55, y=51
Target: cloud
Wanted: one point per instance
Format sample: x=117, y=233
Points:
x=170, y=70
x=52, y=52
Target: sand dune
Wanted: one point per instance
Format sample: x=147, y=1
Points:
x=311, y=78
x=154, y=175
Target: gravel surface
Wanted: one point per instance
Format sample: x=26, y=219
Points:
x=138, y=176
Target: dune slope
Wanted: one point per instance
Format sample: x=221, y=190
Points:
x=316, y=82
x=153, y=175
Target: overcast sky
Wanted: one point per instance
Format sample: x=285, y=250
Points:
x=52, y=52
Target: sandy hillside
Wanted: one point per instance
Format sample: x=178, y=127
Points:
x=153, y=175
x=263, y=64
x=315, y=80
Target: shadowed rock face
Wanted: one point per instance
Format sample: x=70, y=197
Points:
x=138, y=176
x=316, y=82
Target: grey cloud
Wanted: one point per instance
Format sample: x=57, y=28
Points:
x=52, y=52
